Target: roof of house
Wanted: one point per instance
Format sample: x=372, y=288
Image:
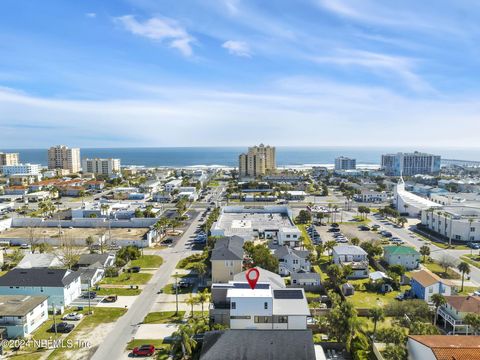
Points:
x=446, y=347
x=90, y=259
x=19, y=305
x=290, y=302
x=258, y=344
x=400, y=250
x=44, y=260
x=39, y=277
x=275, y=280
x=283, y=251
x=305, y=275
x=228, y=248
x=426, y=278
x=349, y=250
x=467, y=304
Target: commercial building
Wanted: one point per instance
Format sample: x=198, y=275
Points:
x=251, y=222
x=60, y=285
x=409, y=203
x=20, y=315
x=235, y=304
x=371, y=196
x=443, y=347
x=409, y=164
x=106, y=167
x=458, y=223
x=8, y=159
x=21, y=169
x=173, y=185
x=258, y=161
x=345, y=163
x=63, y=157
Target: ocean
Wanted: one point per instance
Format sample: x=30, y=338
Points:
x=228, y=156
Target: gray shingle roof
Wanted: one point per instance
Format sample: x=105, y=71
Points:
x=258, y=344
x=349, y=250
x=305, y=275
x=228, y=248
x=89, y=259
x=283, y=251
x=39, y=277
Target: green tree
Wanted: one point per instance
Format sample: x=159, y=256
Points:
x=261, y=256
x=201, y=269
x=183, y=342
x=355, y=241
x=464, y=268
x=89, y=241
x=343, y=322
x=473, y=321
x=191, y=300
x=392, y=335
x=392, y=352
x=424, y=251
x=437, y=300
x=329, y=245
x=203, y=297
x=304, y=217
x=402, y=221
x=423, y=328
x=376, y=314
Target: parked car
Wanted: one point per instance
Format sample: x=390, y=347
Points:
x=110, y=299
x=91, y=295
x=476, y=292
x=473, y=245
x=397, y=241
x=24, y=246
x=62, y=327
x=387, y=234
x=134, y=269
x=375, y=227
x=364, y=228
x=73, y=316
x=143, y=350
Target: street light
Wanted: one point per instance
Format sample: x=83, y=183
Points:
x=176, y=294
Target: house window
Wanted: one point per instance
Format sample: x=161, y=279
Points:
x=295, y=262
x=265, y=305
x=280, y=319
x=234, y=305
x=246, y=317
x=288, y=236
x=430, y=290
x=472, y=229
x=262, y=319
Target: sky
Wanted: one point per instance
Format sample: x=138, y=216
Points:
x=121, y=73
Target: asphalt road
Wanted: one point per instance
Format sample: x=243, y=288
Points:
x=113, y=347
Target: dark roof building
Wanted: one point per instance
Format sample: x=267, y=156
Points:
x=87, y=260
x=36, y=277
x=258, y=344
x=228, y=248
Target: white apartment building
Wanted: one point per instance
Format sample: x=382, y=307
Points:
x=21, y=169
x=345, y=163
x=97, y=166
x=459, y=223
x=259, y=160
x=9, y=159
x=262, y=308
x=409, y=164
x=20, y=315
x=172, y=185
x=63, y=157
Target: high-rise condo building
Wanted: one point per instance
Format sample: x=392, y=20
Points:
x=345, y=163
x=259, y=160
x=409, y=164
x=62, y=157
x=9, y=159
x=101, y=166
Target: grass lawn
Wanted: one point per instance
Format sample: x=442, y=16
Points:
x=444, y=245
x=148, y=262
x=186, y=263
x=472, y=260
x=128, y=279
x=3, y=273
x=437, y=269
x=164, y=317
x=367, y=324
x=118, y=291
x=168, y=289
x=306, y=239
x=163, y=350
x=213, y=183
x=467, y=290
x=367, y=299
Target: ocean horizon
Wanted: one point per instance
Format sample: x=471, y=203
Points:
x=294, y=156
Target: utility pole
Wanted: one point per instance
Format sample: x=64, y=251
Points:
x=54, y=320
x=176, y=294
x=89, y=308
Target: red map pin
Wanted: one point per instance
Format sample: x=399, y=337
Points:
x=252, y=276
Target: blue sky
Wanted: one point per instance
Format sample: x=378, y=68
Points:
x=238, y=72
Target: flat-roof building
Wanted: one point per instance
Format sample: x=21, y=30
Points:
x=409, y=164
x=20, y=315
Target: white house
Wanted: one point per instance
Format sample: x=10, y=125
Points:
x=262, y=308
x=188, y=192
x=291, y=261
x=20, y=315
x=172, y=185
x=92, y=268
x=289, y=236
x=354, y=256
x=61, y=286
x=304, y=278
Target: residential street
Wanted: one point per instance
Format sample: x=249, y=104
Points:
x=114, y=345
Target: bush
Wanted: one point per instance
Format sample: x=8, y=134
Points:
x=111, y=271
x=120, y=262
x=128, y=253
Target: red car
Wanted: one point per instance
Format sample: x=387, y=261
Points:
x=144, y=350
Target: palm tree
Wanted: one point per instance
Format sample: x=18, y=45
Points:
x=191, y=300
x=437, y=300
x=355, y=241
x=464, y=268
x=201, y=270
x=183, y=341
x=424, y=251
x=376, y=314
x=203, y=297
x=329, y=245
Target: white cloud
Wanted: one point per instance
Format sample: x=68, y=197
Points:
x=238, y=48
x=402, y=67
x=91, y=15
x=160, y=29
